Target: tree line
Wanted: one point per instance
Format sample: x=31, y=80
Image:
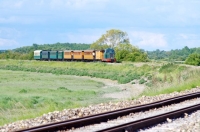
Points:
x=177, y=55
x=190, y=56
x=56, y=46
x=26, y=52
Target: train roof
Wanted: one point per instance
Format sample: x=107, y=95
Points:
x=37, y=50
x=77, y=50
x=68, y=50
x=89, y=50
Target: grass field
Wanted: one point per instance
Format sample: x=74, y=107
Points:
x=28, y=94
x=31, y=88
x=186, y=80
x=122, y=73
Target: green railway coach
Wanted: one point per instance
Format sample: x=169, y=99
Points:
x=53, y=55
x=45, y=55
x=37, y=54
x=60, y=55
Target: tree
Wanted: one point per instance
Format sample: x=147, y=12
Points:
x=35, y=46
x=193, y=59
x=111, y=39
x=128, y=52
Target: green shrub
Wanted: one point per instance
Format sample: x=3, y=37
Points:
x=23, y=91
x=149, y=84
x=123, y=80
x=135, y=76
x=167, y=68
x=149, y=77
x=193, y=86
x=193, y=59
x=142, y=81
x=65, y=89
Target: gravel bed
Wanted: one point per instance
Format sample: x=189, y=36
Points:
x=190, y=123
x=140, y=115
x=67, y=114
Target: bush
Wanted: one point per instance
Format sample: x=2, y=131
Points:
x=149, y=84
x=23, y=91
x=167, y=68
x=123, y=80
x=193, y=59
x=149, y=77
x=128, y=52
x=65, y=89
x=142, y=81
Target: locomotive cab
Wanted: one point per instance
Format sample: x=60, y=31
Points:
x=109, y=55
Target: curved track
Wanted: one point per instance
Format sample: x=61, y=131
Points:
x=103, y=117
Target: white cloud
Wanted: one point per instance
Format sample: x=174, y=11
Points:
x=55, y=4
x=188, y=36
x=83, y=35
x=22, y=20
x=81, y=38
x=7, y=43
x=190, y=40
x=8, y=20
x=9, y=38
x=9, y=33
x=76, y=4
x=17, y=4
x=183, y=36
x=148, y=40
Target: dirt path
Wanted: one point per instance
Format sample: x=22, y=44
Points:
x=126, y=91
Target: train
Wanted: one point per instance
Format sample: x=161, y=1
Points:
x=107, y=55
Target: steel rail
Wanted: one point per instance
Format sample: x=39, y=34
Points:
x=104, y=117
x=150, y=121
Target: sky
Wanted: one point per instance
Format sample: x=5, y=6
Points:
x=150, y=24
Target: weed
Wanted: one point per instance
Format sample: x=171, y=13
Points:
x=193, y=85
x=23, y=91
x=142, y=81
x=149, y=84
x=149, y=77
x=168, y=68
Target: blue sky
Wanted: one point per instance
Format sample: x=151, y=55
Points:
x=150, y=24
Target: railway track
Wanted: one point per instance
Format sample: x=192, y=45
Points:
x=104, y=117
x=147, y=122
